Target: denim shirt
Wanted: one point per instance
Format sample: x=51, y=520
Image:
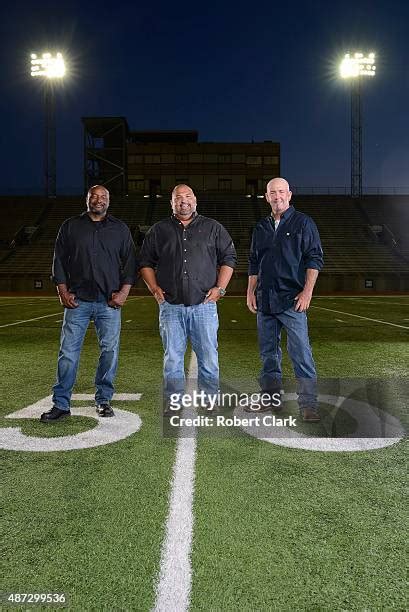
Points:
x=281, y=257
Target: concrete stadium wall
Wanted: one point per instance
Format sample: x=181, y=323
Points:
x=26, y=284
x=342, y=283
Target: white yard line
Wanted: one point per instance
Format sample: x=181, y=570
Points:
x=349, y=314
x=175, y=577
x=379, y=301
x=358, y=297
x=28, y=320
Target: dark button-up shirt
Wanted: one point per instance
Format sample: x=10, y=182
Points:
x=186, y=258
x=281, y=257
x=94, y=257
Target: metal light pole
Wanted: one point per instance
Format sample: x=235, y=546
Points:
x=354, y=67
x=356, y=139
x=49, y=68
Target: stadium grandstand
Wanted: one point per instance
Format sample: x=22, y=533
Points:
x=365, y=244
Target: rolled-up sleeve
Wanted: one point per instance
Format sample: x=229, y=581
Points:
x=253, y=257
x=128, y=259
x=59, y=274
x=226, y=252
x=311, y=244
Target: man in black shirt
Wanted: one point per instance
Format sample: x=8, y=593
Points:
x=94, y=268
x=285, y=259
x=187, y=261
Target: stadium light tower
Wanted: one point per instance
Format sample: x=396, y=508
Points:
x=49, y=68
x=354, y=67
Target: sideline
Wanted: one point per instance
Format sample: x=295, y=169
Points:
x=54, y=314
x=361, y=317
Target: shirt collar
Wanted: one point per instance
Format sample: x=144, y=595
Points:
x=194, y=217
x=86, y=216
x=287, y=214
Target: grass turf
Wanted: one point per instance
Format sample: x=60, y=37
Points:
x=275, y=528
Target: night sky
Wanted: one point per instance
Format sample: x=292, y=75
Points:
x=234, y=71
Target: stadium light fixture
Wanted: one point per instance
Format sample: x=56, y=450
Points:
x=48, y=66
x=354, y=67
x=357, y=65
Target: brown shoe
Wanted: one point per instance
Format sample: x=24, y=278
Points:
x=266, y=404
x=310, y=415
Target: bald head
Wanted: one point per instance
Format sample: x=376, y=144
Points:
x=180, y=187
x=97, y=202
x=278, y=195
x=277, y=183
x=183, y=202
x=99, y=187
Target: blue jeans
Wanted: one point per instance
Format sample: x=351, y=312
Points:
x=177, y=324
x=107, y=322
x=269, y=328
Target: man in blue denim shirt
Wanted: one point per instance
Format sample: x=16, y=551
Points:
x=284, y=262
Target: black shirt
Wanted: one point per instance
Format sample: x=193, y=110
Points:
x=281, y=257
x=94, y=257
x=186, y=258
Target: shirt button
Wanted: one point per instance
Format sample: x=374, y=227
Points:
x=184, y=260
x=185, y=250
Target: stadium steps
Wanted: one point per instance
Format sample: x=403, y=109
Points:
x=348, y=247
x=36, y=258
x=17, y=212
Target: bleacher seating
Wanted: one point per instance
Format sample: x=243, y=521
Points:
x=16, y=213
x=347, y=243
x=36, y=258
x=349, y=246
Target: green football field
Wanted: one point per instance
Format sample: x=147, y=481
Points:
x=208, y=522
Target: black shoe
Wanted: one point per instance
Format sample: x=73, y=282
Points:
x=168, y=411
x=104, y=410
x=55, y=414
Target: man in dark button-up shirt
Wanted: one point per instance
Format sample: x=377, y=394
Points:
x=187, y=261
x=94, y=257
x=284, y=262
x=94, y=268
